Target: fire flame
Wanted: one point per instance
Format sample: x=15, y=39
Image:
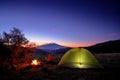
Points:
x=35, y=62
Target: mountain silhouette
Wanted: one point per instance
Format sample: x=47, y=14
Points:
x=112, y=46
x=52, y=48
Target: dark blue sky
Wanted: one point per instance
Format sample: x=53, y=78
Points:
x=67, y=22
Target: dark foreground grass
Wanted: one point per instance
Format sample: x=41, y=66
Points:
x=111, y=71
x=61, y=74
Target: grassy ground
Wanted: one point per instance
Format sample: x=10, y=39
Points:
x=53, y=72
x=109, y=60
x=61, y=74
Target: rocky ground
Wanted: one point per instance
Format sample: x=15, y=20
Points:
x=61, y=74
x=50, y=71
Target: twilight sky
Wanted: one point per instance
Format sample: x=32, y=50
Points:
x=66, y=22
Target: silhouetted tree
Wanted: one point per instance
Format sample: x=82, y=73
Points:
x=15, y=39
x=6, y=38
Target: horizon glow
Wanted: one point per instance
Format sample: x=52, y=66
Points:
x=72, y=23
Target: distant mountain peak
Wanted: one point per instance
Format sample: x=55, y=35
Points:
x=51, y=46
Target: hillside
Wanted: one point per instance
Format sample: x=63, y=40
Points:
x=106, y=47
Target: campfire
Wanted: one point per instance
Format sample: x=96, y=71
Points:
x=35, y=62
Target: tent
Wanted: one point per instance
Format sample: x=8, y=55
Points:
x=79, y=58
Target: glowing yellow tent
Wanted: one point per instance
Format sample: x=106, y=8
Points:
x=79, y=58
